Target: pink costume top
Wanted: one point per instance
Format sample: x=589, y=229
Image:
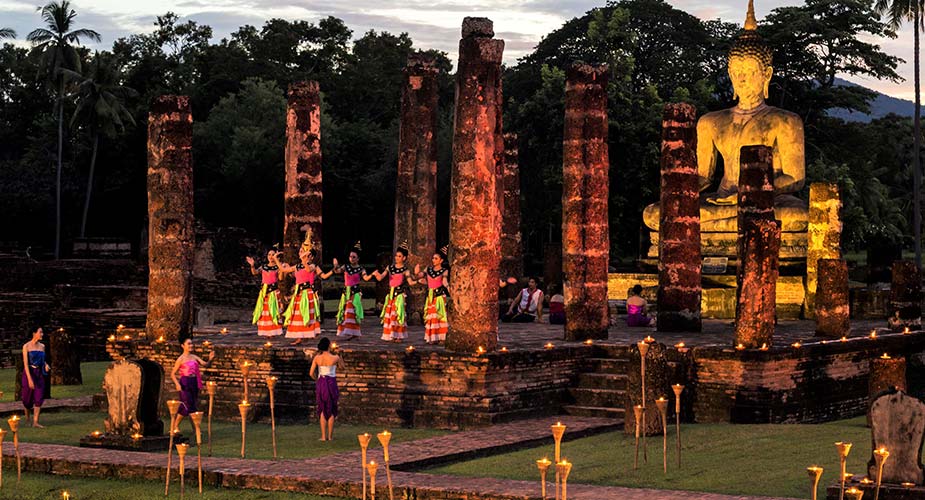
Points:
x=634, y=310
x=352, y=275
x=191, y=369
x=432, y=281
x=303, y=275
x=268, y=275
x=396, y=276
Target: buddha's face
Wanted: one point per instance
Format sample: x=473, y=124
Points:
x=750, y=78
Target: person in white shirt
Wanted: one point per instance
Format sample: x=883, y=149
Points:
x=527, y=307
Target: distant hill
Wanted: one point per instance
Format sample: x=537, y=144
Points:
x=881, y=106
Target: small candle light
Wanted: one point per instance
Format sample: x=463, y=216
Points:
x=740, y=347
x=906, y=331
x=410, y=348
x=120, y=327
x=854, y=493
x=66, y=496
x=548, y=345
x=112, y=338
x=136, y=436
x=96, y=433
x=885, y=356
x=796, y=345
x=764, y=347
x=206, y=344
x=333, y=346
x=907, y=485
x=849, y=475
x=160, y=340
x=589, y=342
x=866, y=480
x=503, y=349
x=480, y=350
x=844, y=339
x=126, y=337
x=649, y=339
x=224, y=331
x=873, y=334
x=268, y=344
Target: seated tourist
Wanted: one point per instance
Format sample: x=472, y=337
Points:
x=636, y=308
x=527, y=307
x=556, y=306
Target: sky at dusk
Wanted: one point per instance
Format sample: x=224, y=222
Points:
x=431, y=24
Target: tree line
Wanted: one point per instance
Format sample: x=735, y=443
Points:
x=72, y=121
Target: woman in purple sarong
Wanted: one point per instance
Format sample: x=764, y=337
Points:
x=35, y=387
x=324, y=371
x=190, y=382
x=636, y=309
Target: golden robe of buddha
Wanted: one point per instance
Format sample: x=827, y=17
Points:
x=721, y=134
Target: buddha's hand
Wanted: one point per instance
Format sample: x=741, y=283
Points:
x=732, y=199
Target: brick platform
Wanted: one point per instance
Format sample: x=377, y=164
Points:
x=338, y=475
x=386, y=384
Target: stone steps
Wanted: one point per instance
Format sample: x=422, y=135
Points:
x=607, y=398
x=594, y=411
x=612, y=381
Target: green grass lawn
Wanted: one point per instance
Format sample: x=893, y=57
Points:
x=51, y=487
x=92, y=377
x=766, y=460
x=293, y=440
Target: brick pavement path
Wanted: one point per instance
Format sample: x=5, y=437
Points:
x=80, y=403
x=338, y=475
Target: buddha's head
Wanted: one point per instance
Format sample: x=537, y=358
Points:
x=750, y=63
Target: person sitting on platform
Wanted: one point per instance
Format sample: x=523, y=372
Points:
x=35, y=386
x=636, y=308
x=556, y=306
x=324, y=372
x=190, y=381
x=528, y=304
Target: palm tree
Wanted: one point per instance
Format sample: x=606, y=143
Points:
x=100, y=106
x=55, y=46
x=898, y=11
x=7, y=33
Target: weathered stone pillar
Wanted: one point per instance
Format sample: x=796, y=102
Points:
x=512, y=256
x=824, y=235
x=679, y=228
x=758, y=249
x=832, y=304
x=416, y=185
x=906, y=296
x=64, y=352
x=170, y=218
x=585, y=229
x=757, y=284
x=475, y=214
x=303, y=169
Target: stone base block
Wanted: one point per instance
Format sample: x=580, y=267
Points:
x=792, y=245
x=127, y=443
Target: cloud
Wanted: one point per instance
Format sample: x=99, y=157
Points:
x=431, y=24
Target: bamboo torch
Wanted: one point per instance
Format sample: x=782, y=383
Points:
x=271, y=385
x=197, y=424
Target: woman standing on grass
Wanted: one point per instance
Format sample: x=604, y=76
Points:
x=35, y=386
x=324, y=372
x=190, y=382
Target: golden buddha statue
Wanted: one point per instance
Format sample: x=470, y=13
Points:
x=750, y=122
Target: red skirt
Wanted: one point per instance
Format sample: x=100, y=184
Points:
x=391, y=328
x=267, y=325
x=349, y=327
x=303, y=326
x=435, y=325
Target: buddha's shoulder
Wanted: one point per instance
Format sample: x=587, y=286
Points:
x=782, y=115
x=723, y=116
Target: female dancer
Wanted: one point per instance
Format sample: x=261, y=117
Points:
x=435, y=325
x=34, y=376
x=350, y=309
x=266, y=312
x=324, y=371
x=303, y=316
x=190, y=382
x=393, y=313
x=636, y=308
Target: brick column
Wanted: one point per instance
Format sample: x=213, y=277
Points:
x=416, y=185
x=171, y=243
x=906, y=295
x=758, y=249
x=475, y=214
x=824, y=235
x=585, y=229
x=832, y=305
x=303, y=169
x=679, y=227
x=512, y=257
